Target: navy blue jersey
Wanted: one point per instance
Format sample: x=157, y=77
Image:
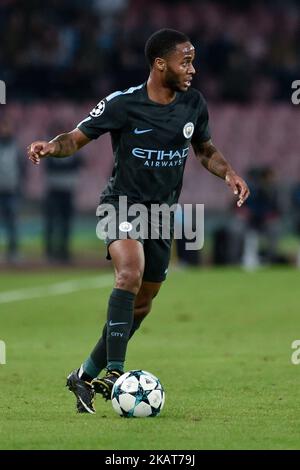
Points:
x=150, y=141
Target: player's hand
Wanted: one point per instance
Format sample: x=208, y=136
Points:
x=238, y=186
x=40, y=149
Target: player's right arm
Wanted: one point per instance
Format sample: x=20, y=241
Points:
x=108, y=115
x=63, y=145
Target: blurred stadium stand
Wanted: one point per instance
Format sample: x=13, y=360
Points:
x=257, y=135
x=246, y=50
x=60, y=57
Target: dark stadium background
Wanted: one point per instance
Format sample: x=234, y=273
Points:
x=59, y=58
x=222, y=334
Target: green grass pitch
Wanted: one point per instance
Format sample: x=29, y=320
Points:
x=219, y=340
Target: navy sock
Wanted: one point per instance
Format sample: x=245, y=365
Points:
x=99, y=353
x=97, y=361
x=119, y=324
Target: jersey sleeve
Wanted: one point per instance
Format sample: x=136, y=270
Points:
x=202, y=131
x=109, y=115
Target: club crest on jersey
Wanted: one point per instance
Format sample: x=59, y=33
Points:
x=98, y=110
x=188, y=130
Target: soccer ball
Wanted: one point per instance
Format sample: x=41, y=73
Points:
x=139, y=394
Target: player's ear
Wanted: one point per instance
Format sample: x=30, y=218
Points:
x=160, y=64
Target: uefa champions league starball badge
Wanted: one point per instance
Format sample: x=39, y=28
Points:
x=98, y=110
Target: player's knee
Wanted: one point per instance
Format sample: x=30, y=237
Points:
x=129, y=279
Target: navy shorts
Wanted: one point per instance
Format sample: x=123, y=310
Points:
x=155, y=235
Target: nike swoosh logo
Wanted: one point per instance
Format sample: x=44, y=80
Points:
x=118, y=323
x=142, y=131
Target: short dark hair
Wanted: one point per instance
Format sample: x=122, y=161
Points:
x=162, y=42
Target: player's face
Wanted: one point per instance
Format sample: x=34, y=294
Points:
x=179, y=67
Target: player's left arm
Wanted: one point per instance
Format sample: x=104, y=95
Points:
x=213, y=160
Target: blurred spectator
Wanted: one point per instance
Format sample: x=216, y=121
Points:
x=227, y=243
x=186, y=223
x=296, y=208
x=10, y=177
x=105, y=7
x=61, y=181
x=262, y=219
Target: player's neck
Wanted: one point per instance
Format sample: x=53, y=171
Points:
x=158, y=93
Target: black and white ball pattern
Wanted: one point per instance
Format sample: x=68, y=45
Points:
x=139, y=394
